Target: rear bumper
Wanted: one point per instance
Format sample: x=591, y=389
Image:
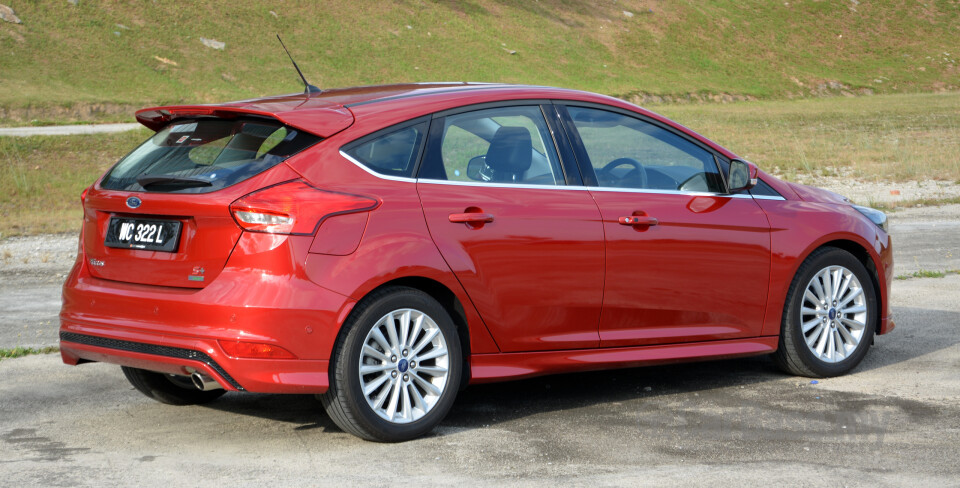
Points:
x=176, y=330
x=184, y=357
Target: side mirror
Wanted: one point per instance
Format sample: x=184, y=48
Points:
x=475, y=166
x=743, y=175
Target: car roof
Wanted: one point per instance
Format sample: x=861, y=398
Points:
x=328, y=112
x=334, y=110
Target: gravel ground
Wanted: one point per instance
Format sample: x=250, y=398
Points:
x=865, y=192
x=895, y=421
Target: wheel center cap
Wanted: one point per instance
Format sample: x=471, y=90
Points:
x=832, y=313
x=402, y=365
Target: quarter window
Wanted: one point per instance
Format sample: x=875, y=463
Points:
x=392, y=151
x=501, y=145
x=626, y=152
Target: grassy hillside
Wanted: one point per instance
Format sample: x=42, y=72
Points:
x=98, y=55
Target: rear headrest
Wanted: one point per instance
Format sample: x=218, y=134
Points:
x=509, y=154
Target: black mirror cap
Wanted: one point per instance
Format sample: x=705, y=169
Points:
x=743, y=175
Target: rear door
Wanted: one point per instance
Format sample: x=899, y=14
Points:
x=684, y=260
x=527, y=248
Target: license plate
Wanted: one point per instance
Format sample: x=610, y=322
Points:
x=146, y=234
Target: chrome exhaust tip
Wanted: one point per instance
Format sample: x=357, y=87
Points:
x=204, y=383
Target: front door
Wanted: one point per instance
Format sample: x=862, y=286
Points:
x=685, y=261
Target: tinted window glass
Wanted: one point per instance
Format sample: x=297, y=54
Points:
x=499, y=145
x=765, y=190
x=392, y=152
x=199, y=156
x=626, y=152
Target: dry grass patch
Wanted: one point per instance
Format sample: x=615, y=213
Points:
x=883, y=138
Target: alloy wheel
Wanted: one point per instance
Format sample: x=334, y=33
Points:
x=833, y=314
x=404, y=366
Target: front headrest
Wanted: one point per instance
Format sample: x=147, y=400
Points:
x=509, y=154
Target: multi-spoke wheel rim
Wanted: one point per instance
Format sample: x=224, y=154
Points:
x=833, y=314
x=404, y=366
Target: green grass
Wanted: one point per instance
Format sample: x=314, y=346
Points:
x=41, y=177
x=68, y=62
x=18, y=352
x=923, y=273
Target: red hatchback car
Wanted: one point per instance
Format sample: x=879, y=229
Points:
x=386, y=246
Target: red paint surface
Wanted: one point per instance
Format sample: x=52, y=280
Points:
x=547, y=281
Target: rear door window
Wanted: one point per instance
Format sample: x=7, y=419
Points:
x=507, y=145
x=204, y=155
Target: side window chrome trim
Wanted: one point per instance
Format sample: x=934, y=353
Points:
x=501, y=185
x=678, y=192
x=551, y=187
x=374, y=173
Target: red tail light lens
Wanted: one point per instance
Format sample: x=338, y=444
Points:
x=83, y=195
x=294, y=208
x=254, y=350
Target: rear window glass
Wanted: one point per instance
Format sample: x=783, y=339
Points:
x=204, y=155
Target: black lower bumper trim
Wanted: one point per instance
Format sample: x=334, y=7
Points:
x=166, y=351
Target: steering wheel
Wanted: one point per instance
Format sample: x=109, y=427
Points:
x=634, y=178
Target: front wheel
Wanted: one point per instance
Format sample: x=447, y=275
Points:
x=395, y=368
x=830, y=316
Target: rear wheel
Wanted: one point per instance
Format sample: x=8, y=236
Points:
x=395, y=368
x=169, y=388
x=830, y=316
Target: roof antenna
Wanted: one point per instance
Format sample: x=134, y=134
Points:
x=307, y=87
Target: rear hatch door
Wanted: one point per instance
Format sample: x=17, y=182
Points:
x=161, y=215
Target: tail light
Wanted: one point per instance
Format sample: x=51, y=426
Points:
x=294, y=208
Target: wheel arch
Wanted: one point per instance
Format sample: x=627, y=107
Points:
x=450, y=303
x=860, y=252
x=867, y=260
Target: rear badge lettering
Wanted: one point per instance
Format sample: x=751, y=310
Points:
x=196, y=274
x=96, y=262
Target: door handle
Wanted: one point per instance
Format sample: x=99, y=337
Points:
x=471, y=218
x=639, y=220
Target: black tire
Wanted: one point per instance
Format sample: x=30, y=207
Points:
x=793, y=355
x=169, y=389
x=345, y=401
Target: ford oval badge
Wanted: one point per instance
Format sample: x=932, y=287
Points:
x=133, y=202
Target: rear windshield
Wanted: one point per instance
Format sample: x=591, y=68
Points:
x=204, y=155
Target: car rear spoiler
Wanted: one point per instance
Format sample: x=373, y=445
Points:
x=321, y=121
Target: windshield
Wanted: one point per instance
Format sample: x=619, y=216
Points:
x=204, y=155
